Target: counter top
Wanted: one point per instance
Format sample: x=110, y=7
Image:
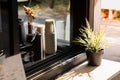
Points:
x=106, y=71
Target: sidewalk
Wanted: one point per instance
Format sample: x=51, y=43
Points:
x=112, y=52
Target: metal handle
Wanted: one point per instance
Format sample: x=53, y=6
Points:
x=1, y=52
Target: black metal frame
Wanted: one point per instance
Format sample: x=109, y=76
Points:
x=79, y=10
x=9, y=33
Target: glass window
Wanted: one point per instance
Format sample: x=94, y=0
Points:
x=59, y=12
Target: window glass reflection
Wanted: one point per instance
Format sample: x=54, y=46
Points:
x=37, y=50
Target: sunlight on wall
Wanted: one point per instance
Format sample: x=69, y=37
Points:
x=115, y=4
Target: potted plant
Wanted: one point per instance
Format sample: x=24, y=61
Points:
x=30, y=14
x=93, y=43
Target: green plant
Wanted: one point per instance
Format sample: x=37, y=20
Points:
x=93, y=41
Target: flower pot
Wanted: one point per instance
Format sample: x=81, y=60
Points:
x=94, y=59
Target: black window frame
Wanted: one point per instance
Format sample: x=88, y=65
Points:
x=77, y=18
x=79, y=10
x=9, y=32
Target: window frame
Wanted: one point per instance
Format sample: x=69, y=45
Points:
x=9, y=32
x=77, y=18
x=75, y=23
